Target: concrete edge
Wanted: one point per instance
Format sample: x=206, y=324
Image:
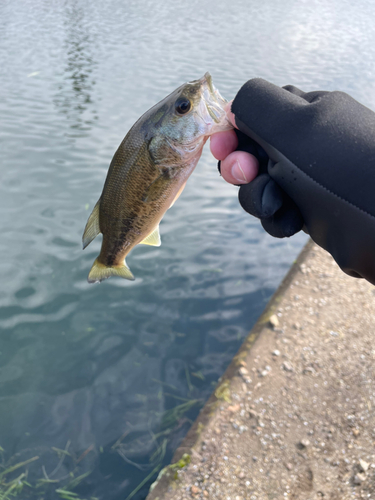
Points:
x=222, y=390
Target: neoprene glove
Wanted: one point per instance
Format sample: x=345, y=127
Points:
x=317, y=168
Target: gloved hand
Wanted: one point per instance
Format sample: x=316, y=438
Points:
x=316, y=152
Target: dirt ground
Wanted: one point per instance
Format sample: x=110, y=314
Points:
x=294, y=415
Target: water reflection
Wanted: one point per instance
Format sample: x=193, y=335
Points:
x=76, y=99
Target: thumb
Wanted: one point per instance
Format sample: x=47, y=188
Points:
x=230, y=115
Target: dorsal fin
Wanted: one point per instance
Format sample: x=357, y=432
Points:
x=92, y=228
x=153, y=238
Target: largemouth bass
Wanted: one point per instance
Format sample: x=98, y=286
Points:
x=149, y=171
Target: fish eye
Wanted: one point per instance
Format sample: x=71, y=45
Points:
x=182, y=105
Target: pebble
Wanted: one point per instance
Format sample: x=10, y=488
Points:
x=276, y=352
x=274, y=321
x=363, y=466
x=308, y=369
x=234, y=408
x=359, y=478
x=195, y=490
x=305, y=443
x=245, y=375
x=287, y=366
x=253, y=414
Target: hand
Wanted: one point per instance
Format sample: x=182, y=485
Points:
x=241, y=160
x=236, y=167
x=305, y=160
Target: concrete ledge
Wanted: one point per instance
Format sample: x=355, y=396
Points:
x=293, y=415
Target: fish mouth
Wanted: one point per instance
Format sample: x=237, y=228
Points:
x=213, y=100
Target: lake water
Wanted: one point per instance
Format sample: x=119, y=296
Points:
x=114, y=374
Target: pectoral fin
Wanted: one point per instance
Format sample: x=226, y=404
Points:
x=153, y=238
x=156, y=189
x=178, y=194
x=92, y=228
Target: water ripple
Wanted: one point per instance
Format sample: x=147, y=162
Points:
x=104, y=369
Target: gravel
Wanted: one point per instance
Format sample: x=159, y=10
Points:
x=302, y=427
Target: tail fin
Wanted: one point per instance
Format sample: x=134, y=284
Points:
x=100, y=272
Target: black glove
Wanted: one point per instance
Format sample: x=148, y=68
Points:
x=320, y=175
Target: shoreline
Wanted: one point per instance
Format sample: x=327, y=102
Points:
x=293, y=415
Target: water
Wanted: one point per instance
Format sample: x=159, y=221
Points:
x=115, y=373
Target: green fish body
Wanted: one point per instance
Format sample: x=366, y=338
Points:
x=149, y=171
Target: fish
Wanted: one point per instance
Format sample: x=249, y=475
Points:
x=149, y=172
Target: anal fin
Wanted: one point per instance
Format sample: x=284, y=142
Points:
x=153, y=238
